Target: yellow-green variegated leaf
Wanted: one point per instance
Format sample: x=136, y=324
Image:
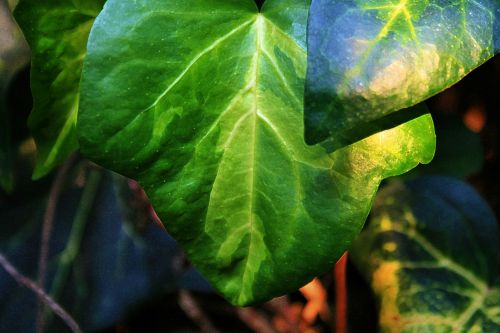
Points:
x=57, y=32
x=430, y=254
x=201, y=102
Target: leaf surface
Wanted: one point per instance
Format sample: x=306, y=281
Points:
x=369, y=58
x=57, y=32
x=201, y=102
x=429, y=254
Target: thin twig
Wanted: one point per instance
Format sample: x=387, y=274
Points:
x=48, y=224
x=195, y=313
x=341, y=295
x=75, y=239
x=46, y=299
x=256, y=321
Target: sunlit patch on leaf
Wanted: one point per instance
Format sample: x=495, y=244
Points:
x=369, y=58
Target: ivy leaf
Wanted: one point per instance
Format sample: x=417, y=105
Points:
x=201, y=101
x=369, y=58
x=430, y=255
x=57, y=31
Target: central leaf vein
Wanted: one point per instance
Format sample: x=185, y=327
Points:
x=245, y=277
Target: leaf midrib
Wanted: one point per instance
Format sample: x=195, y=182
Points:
x=251, y=207
x=399, y=9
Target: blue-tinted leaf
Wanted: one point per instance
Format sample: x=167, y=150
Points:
x=101, y=265
x=430, y=254
x=369, y=58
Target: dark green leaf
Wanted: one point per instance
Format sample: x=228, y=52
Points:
x=369, y=58
x=201, y=101
x=430, y=254
x=57, y=31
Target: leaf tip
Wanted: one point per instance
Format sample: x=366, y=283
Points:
x=41, y=170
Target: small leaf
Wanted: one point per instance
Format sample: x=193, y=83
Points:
x=57, y=31
x=430, y=255
x=369, y=58
x=201, y=101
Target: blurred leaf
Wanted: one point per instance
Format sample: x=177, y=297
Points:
x=430, y=254
x=6, y=149
x=369, y=58
x=57, y=31
x=14, y=55
x=215, y=136
x=101, y=266
x=12, y=3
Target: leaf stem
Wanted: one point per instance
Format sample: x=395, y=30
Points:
x=256, y=321
x=42, y=296
x=48, y=224
x=193, y=311
x=72, y=248
x=341, y=295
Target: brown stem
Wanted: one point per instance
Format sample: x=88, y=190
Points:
x=256, y=321
x=42, y=296
x=341, y=295
x=48, y=224
x=195, y=313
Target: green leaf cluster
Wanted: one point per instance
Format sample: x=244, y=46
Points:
x=202, y=102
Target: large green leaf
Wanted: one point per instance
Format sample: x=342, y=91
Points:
x=430, y=254
x=368, y=58
x=201, y=101
x=57, y=31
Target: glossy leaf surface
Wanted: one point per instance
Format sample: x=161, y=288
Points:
x=430, y=255
x=369, y=58
x=201, y=101
x=57, y=32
